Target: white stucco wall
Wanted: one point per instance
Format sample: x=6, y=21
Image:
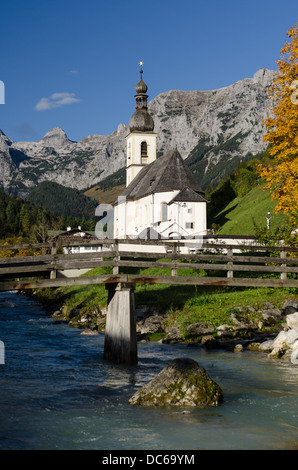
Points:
x=133, y=152
x=132, y=217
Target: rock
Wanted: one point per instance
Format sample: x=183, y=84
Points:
x=89, y=332
x=266, y=346
x=268, y=305
x=292, y=320
x=173, y=333
x=294, y=353
x=181, y=383
x=56, y=313
x=225, y=334
x=225, y=331
x=238, y=348
x=255, y=346
x=241, y=332
x=151, y=324
x=292, y=336
x=242, y=320
x=207, y=339
x=276, y=353
x=224, y=327
x=271, y=316
x=290, y=306
x=199, y=329
x=101, y=323
x=285, y=339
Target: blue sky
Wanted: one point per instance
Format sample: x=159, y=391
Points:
x=74, y=63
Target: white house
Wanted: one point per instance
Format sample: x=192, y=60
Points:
x=71, y=239
x=162, y=199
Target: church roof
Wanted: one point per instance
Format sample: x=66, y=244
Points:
x=167, y=173
x=188, y=195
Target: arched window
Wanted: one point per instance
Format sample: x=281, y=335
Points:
x=144, y=153
x=164, y=211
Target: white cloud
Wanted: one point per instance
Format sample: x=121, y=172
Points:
x=56, y=100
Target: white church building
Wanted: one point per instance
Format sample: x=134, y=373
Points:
x=162, y=199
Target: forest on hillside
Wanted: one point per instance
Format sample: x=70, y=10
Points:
x=22, y=218
x=62, y=200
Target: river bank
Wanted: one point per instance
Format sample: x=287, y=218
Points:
x=213, y=320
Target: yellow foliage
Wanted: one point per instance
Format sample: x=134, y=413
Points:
x=281, y=175
x=15, y=252
x=6, y=253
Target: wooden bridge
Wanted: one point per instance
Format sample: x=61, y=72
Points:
x=206, y=262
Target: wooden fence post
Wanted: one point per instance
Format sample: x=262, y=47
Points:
x=283, y=255
x=230, y=273
x=174, y=261
x=116, y=257
x=53, y=273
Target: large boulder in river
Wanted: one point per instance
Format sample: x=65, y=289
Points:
x=181, y=383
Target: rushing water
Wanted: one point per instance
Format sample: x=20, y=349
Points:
x=57, y=392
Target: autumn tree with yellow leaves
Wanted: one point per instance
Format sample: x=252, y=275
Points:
x=281, y=172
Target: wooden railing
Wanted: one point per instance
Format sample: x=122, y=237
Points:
x=210, y=264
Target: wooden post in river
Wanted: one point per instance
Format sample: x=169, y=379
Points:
x=120, y=344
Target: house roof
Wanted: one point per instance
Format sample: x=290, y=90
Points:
x=167, y=173
x=73, y=234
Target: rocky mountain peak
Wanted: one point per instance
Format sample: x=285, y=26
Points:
x=212, y=129
x=263, y=75
x=56, y=138
x=5, y=142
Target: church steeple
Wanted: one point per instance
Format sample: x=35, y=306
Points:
x=141, y=90
x=141, y=119
x=141, y=142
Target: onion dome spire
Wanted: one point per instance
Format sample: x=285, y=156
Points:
x=141, y=90
x=141, y=119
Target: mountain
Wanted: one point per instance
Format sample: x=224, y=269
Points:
x=213, y=130
x=216, y=129
x=56, y=158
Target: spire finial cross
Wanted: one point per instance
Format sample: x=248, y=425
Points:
x=141, y=63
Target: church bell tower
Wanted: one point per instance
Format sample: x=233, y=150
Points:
x=141, y=141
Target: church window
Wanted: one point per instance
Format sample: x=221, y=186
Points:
x=164, y=211
x=144, y=149
x=144, y=152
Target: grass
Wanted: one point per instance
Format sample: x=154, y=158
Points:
x=215, y=305
x=108, y=196
x=238, y=216
x=184, y=305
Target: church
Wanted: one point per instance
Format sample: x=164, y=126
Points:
x=162, y=199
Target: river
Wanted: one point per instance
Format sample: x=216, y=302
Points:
x=57, y=392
